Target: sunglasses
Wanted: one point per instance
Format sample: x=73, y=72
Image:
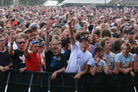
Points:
x=2, y=40
x=21, y=42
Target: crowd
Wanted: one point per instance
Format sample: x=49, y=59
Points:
x=70, y=39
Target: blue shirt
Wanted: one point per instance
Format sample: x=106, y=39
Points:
x=125, y=62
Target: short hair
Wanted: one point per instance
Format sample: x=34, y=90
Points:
x=56, y=37
x=18, y=36
x=126, y=44
x=98, y=49
x=106, y=33
x=83, y=33
x=136, y=49
x=102, y=41
x=113, y=29
x=117, y=44
x=1, y=36
x=78, y=35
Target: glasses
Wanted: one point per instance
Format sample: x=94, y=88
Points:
x=2, y=40
x=21, y=42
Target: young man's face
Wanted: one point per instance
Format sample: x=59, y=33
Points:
x=101, y=54
x=20, y=43
x=107, y=44
x=2, y=42
x=125, y=50
x=130, y=36
x=35, y=48
x=55, y=46
x=84, y=43
x=40, y=50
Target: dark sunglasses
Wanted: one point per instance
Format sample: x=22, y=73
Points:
x=21, y=42
x=2, y=40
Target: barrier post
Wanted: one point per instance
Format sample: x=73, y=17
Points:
x=76, y=85
x=9, y=74
x=29, y=89
x=49, y=80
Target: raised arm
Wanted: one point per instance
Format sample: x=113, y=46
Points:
x=12, y=38
x=26, y=53
x=72, y=40
x=47, y=42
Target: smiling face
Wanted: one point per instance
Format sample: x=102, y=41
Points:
x=54, y=46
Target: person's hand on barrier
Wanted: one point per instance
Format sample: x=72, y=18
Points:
x=53, y=76
x=77, y=76
x=4, y=69
x=110, y=72
x=126, y=71
x=22, y=69
x=115, y=72
x=132, y=73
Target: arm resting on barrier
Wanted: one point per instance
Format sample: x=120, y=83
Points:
x=77, y=76
x=53, y=76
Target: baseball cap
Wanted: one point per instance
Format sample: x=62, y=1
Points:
x=130, y=32
x=14, y=23
x=32, y=25
x=84, y=38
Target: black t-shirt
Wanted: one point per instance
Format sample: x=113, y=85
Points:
x=18, y=59
x=4, y=58
x=67, y=54
x=54, y=62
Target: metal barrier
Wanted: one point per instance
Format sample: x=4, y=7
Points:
x=29, y=81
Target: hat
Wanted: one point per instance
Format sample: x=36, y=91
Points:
x=116, y=35
x=84, y=38
x=41, y=44
x=130, y=32
x=34, y=42
x=40, y=40
x=28, y=29
x=14, y=23
x=32, y=25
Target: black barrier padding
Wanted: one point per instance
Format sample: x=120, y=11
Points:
x=19, y=82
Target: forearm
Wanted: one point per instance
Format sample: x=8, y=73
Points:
x=107, y=68
x=72, y=40
x=11, y=49
x=93, y=70
x=26, y=48
x=47, y=42
x=60, y=70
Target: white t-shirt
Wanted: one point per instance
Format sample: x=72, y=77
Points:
x=78, y=60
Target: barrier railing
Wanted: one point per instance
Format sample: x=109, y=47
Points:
x=29, y=81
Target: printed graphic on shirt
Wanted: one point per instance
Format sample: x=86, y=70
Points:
x=55, y=61
x=127, y=64
x=99, y=69
x=79, y=59
x=22, y=58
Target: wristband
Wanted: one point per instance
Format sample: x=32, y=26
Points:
x=96, y=64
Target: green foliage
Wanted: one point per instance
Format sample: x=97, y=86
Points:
x=59, y=1
x=31, y=2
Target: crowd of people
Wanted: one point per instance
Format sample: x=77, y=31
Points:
x=70, y=39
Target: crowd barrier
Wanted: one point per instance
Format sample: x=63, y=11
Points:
x=29, y=81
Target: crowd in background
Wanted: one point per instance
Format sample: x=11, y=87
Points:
x=70, y=39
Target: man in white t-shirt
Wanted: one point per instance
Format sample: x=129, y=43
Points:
x=80, y=57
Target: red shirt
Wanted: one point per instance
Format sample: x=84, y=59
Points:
x=33, y=62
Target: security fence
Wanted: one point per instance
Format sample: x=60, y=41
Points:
x=28, y=81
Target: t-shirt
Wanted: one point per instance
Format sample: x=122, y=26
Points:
x=33, y=62
x=100, y=65
x=111, y=59
x=54, y=62
x=125, y=62
x=18, y=59
x=78, y=60
x=67, y=54
x=4, y=58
